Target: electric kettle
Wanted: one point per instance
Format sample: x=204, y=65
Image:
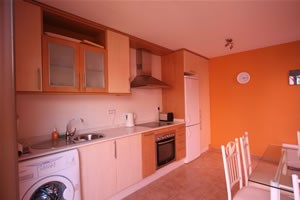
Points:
x=129, y=118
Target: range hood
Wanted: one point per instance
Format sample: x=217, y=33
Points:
x=144, y=78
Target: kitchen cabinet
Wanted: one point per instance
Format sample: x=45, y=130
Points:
x=148, y=153
x=98, y=170
x=180, y=142
x=109, y=167
x=118, y=62
x=70, y=66
x=149, y=147
x=28, y=46
x=129, y=161
x=174, y=66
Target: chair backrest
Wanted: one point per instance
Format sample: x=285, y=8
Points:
x=246, y=156
x=232, y=165
x=296, y=182
x=298, y=141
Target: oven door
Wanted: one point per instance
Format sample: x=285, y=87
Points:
x=165, y=151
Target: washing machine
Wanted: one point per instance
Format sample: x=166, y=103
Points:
x=54, y=176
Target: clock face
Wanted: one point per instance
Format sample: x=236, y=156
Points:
x=243, y=77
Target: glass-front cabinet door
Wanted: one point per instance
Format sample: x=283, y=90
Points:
x=93, y=69
x=60, y=65
x=70, y=66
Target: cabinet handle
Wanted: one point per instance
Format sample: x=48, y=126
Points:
x=39, y=78
x=115, y=145
x=200, y=113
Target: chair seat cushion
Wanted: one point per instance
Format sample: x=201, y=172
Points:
x=251, y=193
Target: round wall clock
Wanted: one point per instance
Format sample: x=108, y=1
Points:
x=243, y=77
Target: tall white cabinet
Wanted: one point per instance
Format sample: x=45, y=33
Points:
x=109, y=167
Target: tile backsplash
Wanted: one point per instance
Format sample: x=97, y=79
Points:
x=39, y=114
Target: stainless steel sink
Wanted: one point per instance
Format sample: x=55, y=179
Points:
x=50, y=144
x=87, y=137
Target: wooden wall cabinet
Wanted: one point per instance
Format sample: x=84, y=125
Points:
x=28, y=46
x=70, y=66
x=109, y=167
x=118, y=54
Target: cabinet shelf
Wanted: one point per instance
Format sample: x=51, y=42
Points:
x=66, y=25
x=95, y=70
x=58, y=66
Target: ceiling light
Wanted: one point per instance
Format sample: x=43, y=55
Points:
x=229, y=43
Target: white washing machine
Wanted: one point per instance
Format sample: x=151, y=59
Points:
x=54, y=176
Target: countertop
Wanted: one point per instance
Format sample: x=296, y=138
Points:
x=110, y=134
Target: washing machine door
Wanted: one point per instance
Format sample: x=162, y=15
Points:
x=51, y=188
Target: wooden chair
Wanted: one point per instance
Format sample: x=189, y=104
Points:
x=296, y=181
x=233, y=175
x=246, y=156
x=247, y=163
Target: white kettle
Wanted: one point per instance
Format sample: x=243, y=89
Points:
x=129, y=118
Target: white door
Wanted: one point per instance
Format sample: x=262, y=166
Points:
x=192, y=107
x=192, y=142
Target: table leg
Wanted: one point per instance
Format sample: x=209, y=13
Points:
x=274, y=191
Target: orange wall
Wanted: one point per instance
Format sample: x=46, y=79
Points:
x=267, y=106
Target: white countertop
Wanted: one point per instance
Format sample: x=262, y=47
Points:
x=110, y=134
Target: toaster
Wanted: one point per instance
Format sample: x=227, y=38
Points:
x=166, y=116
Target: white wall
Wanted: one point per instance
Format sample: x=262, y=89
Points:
x=39, y=113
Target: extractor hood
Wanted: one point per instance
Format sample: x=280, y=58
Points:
x=144, y=78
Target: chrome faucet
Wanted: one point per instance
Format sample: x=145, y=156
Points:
x=70, y=130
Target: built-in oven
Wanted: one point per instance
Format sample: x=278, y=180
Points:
x=165, y=148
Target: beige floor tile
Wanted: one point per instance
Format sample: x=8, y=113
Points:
x=201, y=179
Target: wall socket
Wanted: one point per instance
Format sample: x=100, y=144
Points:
x=111, y=111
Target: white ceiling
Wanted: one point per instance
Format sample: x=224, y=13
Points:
x=200, y=26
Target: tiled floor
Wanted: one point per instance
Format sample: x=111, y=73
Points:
x=202, y=179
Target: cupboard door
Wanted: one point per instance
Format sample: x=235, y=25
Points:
x=60, y=65
x=129, y=161
x=28, y=46
x=94, y=71
x=180, y=143
x=98, y=171
x=118, y=62
x=148, y=154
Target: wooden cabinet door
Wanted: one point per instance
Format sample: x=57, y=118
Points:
x=148, y=154
x=129, y=161
x=28, y=46
x=117, y=46
x=180, y=142
x=191, y=62
x=60, y=65
x=93, y=69
x=98, y=170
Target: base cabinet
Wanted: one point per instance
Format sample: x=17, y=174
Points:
x=149, y=147
x=109, y=167
x=148, y=152
x=180, y=142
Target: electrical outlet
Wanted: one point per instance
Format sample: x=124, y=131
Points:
x=111, y=111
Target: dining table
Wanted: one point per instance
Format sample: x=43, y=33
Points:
x=274, y=169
